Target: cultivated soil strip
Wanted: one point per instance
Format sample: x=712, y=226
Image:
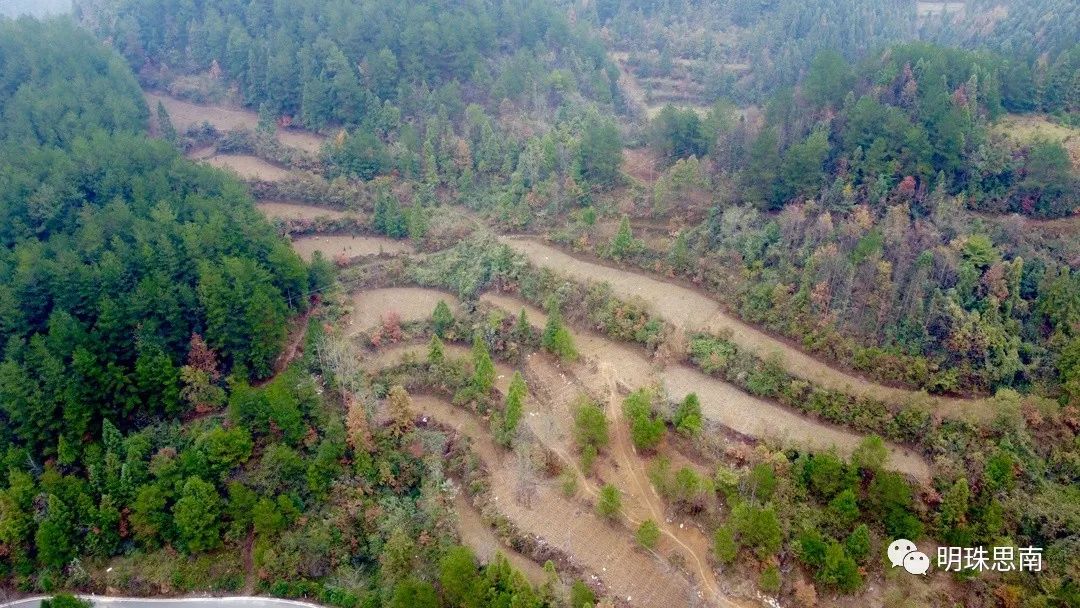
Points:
x=248, y=167
x=630, y=575
x=693, y=311
x=720, y=402
x=348, y=247
x=370, y=307
x=185, y=114
x=549, y=414
x=482, y=540
x=537, y=508
x=286, y=210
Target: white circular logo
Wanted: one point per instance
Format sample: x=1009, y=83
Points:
x=898, y=549
x=916, y=562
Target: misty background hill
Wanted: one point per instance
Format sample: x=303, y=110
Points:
x=37, y=8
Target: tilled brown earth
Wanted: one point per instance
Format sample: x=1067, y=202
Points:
x=348, y=247
x=185, y=114
x=248, y=167
x=600, y=547
x=286, y=210
x=410, y=303
x=482, y=540
x=694, y=311
x=720, y=402
x=550, y=417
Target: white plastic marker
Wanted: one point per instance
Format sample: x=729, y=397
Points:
x=899, y=549
x=917, y=562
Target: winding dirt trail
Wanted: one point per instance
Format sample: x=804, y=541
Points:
x=631, y=575
x=641, y=579
x=720, y=402
x=692, y=541
x=693, y=311
x=549, y=408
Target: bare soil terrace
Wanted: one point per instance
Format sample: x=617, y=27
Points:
x=693, y=311
x=631, y=575
x=248, y=167
x=286, y=210
x=348, y=247
x=185, y=114
x=720, y=402
x=369, y=308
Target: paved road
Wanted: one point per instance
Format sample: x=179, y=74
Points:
x=187, y=602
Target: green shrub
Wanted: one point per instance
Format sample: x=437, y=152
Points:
x=65, y=600
x=648, y=534
x=646, y=429
x=609, y=502
x=581, y=595
x=724, y=546
x=590, y=426
x=769, y=581
x=687, y=418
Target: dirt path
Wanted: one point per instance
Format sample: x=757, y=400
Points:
x=348, y=247
x=548, y=410
x=411, y=303
x=629, y=83
x=250, y=576
x=629, y=574
x=720, y=402
x=185, y=114
x=298, y=328
x=694, y=543
x=693, y=311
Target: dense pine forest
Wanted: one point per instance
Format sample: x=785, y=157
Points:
x=408, y=348
x=141, y=290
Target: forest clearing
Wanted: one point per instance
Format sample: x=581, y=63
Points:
x=248, y=167
x=296, y=210
x=692, y=311
x=335, y=247
x=185, y=115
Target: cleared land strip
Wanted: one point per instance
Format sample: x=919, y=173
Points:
x=287, y=210
x=693, y=311
x=630, y=575
x=482, y=540
x=549, y=416
x=248, y=167
x=185, y=114
x=342, y=246
x=371, y=306
x=720, y=402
